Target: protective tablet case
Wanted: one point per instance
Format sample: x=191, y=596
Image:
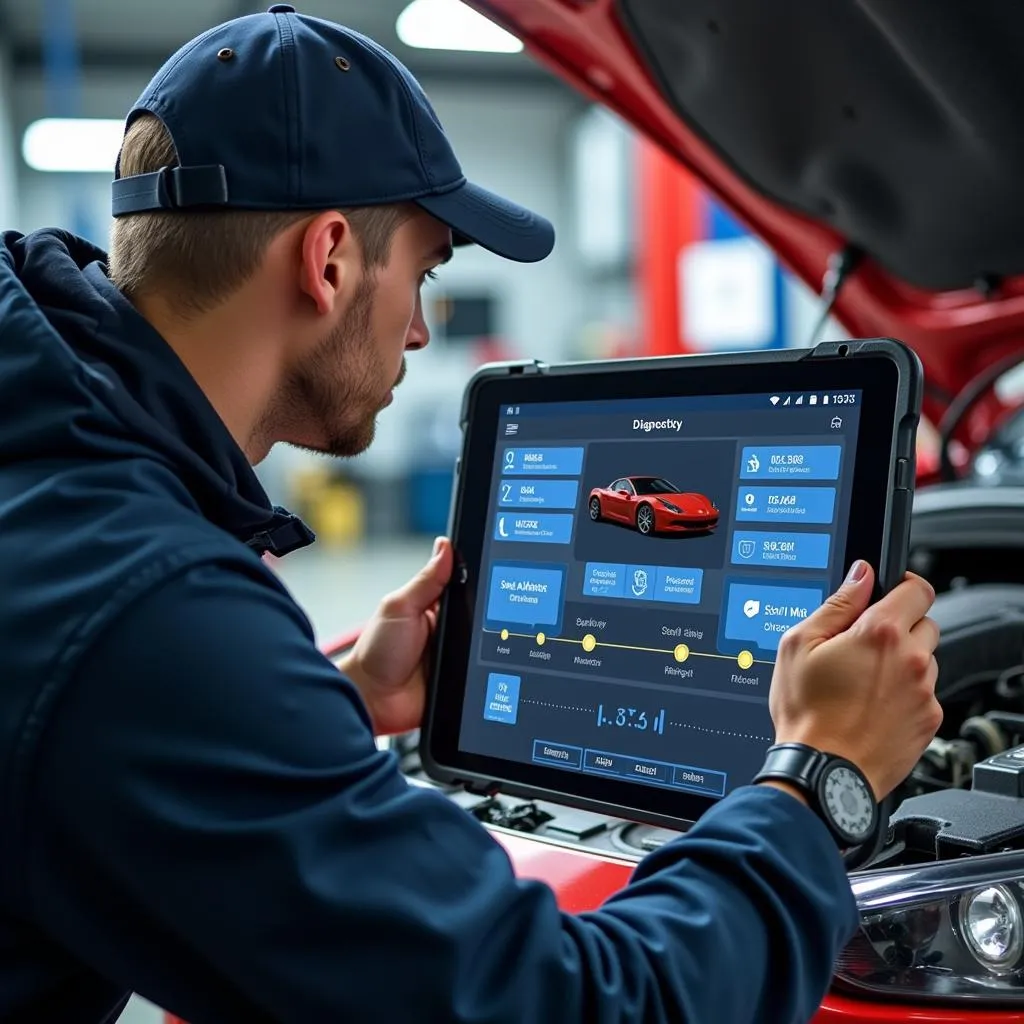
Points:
x=896, y=536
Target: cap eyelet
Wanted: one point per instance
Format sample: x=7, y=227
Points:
x=341, y=63
x=226, y=54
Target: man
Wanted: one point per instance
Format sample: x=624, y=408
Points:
x=193, y=805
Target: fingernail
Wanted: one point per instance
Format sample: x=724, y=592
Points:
x=857, y=571
x=437, y=547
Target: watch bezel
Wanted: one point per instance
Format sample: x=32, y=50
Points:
x=831, y=764
x=807, y=768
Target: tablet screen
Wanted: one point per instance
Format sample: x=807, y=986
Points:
x=641, y=561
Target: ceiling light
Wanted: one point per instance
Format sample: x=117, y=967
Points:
x=451, y=25
x=73, y=144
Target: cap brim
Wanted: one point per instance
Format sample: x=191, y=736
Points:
x=478, y=216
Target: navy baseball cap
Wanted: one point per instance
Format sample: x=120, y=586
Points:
x=281, y=111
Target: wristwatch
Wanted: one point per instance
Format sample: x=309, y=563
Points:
x=836, y=789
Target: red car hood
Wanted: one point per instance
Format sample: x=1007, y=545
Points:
x=891, y=126
x=685, y=498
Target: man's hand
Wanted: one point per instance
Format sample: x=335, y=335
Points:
x=389, y=661
x=861, y=683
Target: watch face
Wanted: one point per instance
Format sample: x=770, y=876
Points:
x=848, y=802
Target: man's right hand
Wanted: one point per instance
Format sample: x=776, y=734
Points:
x=859, y=681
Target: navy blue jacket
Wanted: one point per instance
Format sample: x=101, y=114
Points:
x=192, y=805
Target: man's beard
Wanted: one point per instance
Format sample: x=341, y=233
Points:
x=337, y=387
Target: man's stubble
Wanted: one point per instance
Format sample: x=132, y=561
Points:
x=342, y=386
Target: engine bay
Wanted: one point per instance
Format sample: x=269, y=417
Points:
x=965, y=797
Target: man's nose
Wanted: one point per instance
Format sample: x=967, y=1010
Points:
x=419, y=334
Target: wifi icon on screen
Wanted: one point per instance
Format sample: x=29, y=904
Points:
x=775, y=399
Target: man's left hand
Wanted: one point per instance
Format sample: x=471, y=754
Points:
x=388, y=663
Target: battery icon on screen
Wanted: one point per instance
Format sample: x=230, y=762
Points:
x=824, y=399
x=813, y=400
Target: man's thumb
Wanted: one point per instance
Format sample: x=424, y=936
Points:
x=845, y=606
x=424, y=589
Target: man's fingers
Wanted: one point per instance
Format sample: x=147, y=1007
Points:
x=906, y=604
x=925, y=634
x=425, y=588
x=843, y=608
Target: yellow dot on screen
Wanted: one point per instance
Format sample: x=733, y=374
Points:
x=745, y=659
x=540, y=639
x=504, y=634
x=589, y=642
x=681, y=653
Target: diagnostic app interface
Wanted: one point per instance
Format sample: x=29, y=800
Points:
x=644, y=559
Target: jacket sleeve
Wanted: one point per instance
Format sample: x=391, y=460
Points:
x=214, y=827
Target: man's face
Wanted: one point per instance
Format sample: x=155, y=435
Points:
x=330, y=402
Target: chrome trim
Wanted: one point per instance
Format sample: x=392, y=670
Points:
x=887, y=888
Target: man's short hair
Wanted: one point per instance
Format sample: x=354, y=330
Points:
x=205, y=256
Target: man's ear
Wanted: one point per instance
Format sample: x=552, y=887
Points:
x=330, y=258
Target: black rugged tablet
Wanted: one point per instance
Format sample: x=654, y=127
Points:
x=633, y=540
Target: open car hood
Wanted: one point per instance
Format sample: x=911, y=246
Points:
x=894, y=125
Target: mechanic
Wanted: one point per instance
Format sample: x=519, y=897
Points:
x=193, y=804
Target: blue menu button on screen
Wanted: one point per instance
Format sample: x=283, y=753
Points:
x=548, y=461
x=680, y=586
x=530, y=595
x=534, y=527
x=762, y=614
x=782, y=504
x=502, y=701
x=539, y=493
x=604, y=579
x=789, y=550
x=557, y=754
x=640, y=583
x=806, y=462
x=700, y=780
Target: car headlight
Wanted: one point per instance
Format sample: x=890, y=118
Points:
x=992, y=927
x=948, y=930
x=670, y=506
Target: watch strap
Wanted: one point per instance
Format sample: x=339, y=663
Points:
x=802, y=766
x=795, y=763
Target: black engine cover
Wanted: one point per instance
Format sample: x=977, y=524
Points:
x=982, y=635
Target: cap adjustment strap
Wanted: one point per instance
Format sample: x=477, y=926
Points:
x=170, y=188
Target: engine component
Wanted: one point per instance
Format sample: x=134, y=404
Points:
x=984, y=735
x=982, y=630
x=1002, y=775
x=969, y=532
x=945, y=764
x=986, y=819
x=522, y=817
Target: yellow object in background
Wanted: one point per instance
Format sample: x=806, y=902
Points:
x=335, y=509
x=306, y=484
x=338, y=515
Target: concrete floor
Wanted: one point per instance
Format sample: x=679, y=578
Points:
x=338, y=590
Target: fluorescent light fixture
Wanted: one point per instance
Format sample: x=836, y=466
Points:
x=73, y=144
x=451, y=25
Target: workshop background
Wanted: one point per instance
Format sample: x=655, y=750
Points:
x=646, y=263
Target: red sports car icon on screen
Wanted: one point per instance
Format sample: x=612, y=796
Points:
x=652, y=505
